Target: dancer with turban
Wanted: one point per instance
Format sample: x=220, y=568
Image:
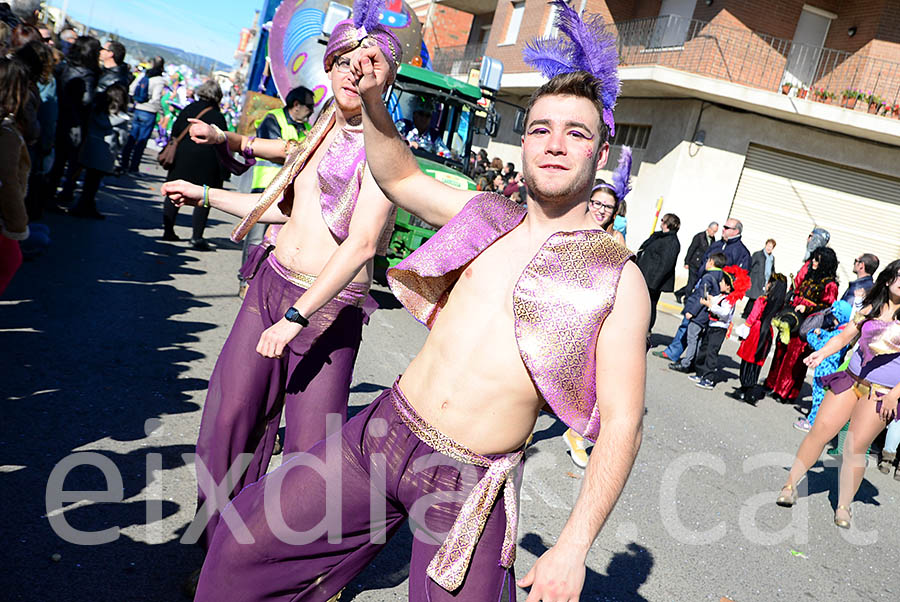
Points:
x=296, y=336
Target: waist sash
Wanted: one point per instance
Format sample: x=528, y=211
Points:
x=449, y=565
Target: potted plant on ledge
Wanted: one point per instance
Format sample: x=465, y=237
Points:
x=786, y=87
x=875, y=103
x=849, y=98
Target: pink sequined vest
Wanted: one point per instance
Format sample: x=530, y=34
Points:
x=559, y=302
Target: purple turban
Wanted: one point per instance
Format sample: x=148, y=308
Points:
x=364, y=30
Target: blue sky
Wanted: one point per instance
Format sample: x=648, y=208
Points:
x=208, y=27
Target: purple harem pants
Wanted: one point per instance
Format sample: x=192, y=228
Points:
x=247, y=392
x=361, y=482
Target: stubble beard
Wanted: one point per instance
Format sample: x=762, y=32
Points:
x=565, y=192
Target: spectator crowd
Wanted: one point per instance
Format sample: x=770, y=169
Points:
x=75, y=112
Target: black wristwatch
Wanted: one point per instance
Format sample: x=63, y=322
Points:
x=292, y=315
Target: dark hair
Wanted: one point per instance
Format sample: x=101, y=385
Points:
x=13, y=89
x=23, y=34
x=156, y=66
x=118, y=51
x=870, y=262
x=577, y=83
x=727, y=279
x=116, y=98
x=771, y=240
x=776, y=295
x=828, y=264
x=209, y=91
x=303, y=96
x=34, y=60
x=719, y=260
x=85, y=52
x=879, y=294
x=620, y=210
x=672, y=222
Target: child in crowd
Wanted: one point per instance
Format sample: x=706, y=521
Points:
x=106, y=135
x=834, y=321
x=755, y=347
x=697, y=313
x=733, y=284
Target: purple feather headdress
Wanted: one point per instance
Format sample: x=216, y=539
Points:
x=582, y=45
x=363, y=29
x=621, y=177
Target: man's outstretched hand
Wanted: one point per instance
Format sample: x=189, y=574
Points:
x=557, y=576
x=183, y=193
x=203, y=133
x=371, y=69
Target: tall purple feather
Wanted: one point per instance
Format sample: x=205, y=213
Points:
x=592, y=49
x=583, y=45
x=621, y=177
x=366, y=13
x=550, y=57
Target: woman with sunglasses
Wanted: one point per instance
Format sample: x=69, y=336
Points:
x=866, y=393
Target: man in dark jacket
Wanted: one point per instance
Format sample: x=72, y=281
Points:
x=693, y=259
x=864, y=267
x=730, y=245
x=115, y=70
x=657, y=257
x=762, y=266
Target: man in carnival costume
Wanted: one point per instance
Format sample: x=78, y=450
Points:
x=526, y=310
x=296, y=336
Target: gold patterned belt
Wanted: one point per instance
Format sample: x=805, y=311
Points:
x=353, y=294
x=449, y=565
x=864, y=388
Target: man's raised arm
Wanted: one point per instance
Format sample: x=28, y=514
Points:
x=393, y=165
x=621, y=370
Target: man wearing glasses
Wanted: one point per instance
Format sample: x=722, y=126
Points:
x=864, y=267
x=292, y=347
x=115, y=70
x=735, y=254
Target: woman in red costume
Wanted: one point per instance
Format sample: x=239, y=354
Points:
x=815, y=287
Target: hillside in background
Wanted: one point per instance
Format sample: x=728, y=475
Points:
x=139, y=51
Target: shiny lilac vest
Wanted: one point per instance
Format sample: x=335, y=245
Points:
x=559, y=302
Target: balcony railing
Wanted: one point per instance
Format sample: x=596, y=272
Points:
x=759, y=60
x=458, y=60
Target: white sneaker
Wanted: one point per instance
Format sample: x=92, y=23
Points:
x=576, y=447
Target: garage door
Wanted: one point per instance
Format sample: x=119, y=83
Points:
x=783, y=196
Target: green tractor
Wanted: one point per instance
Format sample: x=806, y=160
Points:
x=438, y=116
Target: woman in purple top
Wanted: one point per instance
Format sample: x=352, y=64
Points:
x=866, y=393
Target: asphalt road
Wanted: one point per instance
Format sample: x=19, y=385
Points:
x=107, y=344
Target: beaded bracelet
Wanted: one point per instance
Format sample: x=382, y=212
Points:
x=206, y=196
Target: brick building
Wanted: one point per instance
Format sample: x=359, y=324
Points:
x=713, y=133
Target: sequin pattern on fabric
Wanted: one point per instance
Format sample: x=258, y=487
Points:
x=355, y=293
x=340, y=175
x=559, y=303
x=449, y=565
x=422, y=281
